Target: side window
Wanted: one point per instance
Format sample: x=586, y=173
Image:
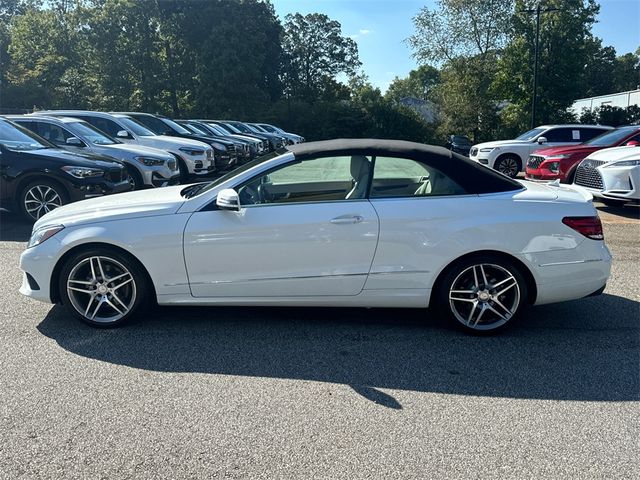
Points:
x=314, y=180
x=589, y=133
x=108, y=126
x=563, y=135
x=403, y=177
x=55, y=134
x=635, y=138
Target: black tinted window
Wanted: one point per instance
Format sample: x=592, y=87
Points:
x=589, y=133
x=107, y=126
x=564, y=135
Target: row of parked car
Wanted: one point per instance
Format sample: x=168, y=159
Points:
x=603, y=160
x=50, y=158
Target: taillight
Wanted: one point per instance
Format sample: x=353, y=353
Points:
x=590, y=227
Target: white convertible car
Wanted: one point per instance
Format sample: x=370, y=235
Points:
x=359, y=223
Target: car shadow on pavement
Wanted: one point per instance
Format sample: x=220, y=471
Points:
x=583, y=350
x=13, y=228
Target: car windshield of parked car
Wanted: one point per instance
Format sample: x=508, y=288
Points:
x=16, y=138
x=218, y=129
x=611, y=138
x=194, y=129
x=531, y=134
x=268, y=128
x=136, y=127
x=460, y=140
x=230, y=128
x=241, y=127
x=175, y=126
x=92, y=134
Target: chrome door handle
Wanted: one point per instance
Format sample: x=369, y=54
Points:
x=346, y=219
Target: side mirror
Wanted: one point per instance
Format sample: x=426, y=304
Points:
x=228, y=200
x=123, y=134
x=542, y=140
x=74, y=142
x=632, y=143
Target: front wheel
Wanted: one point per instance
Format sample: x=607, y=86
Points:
x=103, y=287
x=482, y=294
x=40, y=197
x=508, y=165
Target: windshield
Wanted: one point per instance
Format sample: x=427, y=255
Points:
x=268, y=128
x=92, y=134
x=176, y=126
x=241, y=127
x=193, y=128
x=217, y=129
x=229, y=128
x=197, y=189
x=531, y=134
x=136, y=127
x=17, y=138
x=460, y=140
x=611, y=138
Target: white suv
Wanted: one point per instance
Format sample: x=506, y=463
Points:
x=510, y=156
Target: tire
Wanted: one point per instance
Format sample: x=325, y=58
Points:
x=135, y=179
x=39, y=197
x=105, y=304
x=184, y=171
x=508, y=165
x=474, y=304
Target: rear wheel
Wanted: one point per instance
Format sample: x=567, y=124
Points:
x=103, y=287
x=508, y=165
x=483, y=294
x=40, y=197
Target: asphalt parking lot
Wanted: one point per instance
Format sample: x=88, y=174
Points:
x=323, y=393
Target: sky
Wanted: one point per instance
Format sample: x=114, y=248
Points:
x=380, y=28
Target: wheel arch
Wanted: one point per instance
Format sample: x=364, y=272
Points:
x=27, y=178
x=524, y=270
x=54, y=290
x=511, y=154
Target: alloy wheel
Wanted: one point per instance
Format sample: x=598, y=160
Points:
x=484, y=296
x=101, y=289
x=508, y=166
x=41, y=199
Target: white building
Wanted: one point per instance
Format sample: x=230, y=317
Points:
x=622, y=100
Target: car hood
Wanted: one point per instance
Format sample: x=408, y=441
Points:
x=138, y=150
x=615, y=154
x=500, y=143
x=567, y=150
x=65, y=157
x=142, y=203
x=177, y=142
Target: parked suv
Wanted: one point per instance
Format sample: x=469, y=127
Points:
x=37, y=177
x=561, y=162
x=223, y=151
x=273, y=129
x=458, y=144
x=146, y=166
x=510, y=156
x=263, y=143
x=257, y=146
x=243, y=151
x=194, y=158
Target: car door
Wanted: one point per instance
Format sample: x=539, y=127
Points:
x=304, y=229
x=419, y=208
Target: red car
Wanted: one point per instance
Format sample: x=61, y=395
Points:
x=561, y=162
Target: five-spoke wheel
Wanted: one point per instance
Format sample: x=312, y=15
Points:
x=483, y=295
x=102, y=287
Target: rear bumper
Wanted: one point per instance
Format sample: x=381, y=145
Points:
x=563, y=275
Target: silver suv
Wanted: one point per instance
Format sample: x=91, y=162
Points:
x=146, y=167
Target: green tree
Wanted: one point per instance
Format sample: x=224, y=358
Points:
x=465, y=37
x=420, y=83
x=315, y=53
x=566, y=47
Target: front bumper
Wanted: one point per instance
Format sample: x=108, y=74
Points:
x=618, y=183
x=90, y=188
x=158, y=180
x=38, y=262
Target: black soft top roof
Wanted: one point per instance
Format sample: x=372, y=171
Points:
x=471, y=176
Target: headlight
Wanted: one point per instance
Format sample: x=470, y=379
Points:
x=83, y=172
x=624, y=163
x=489, y=149
x=150, y=161
x=43, y=233
x=191, y=151
x=553, y=166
